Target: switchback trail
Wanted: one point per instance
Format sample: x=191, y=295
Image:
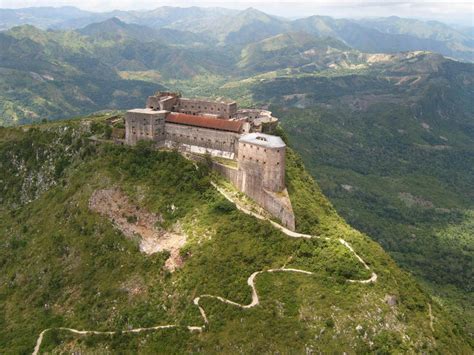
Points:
x=250, y=281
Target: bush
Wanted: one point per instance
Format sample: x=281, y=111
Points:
x=132, y=219
x=224, y=206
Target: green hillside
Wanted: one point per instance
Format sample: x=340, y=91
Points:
x=290, y=50
x=56, y=75
x=393, y=150
x=65, y=265
x=389, y=136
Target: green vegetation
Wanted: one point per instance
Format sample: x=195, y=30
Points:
x=64, y=265
x=403, y=175
x=114, y=65
x=53, y=75
x=389, y=137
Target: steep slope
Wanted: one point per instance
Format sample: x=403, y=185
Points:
x=393, y=147
x=294, y=49
x=64, y=265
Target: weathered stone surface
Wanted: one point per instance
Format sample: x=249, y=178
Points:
x=260, y=158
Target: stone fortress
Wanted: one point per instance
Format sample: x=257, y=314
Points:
x=247, y=153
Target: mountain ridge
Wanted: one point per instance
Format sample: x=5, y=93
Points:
x=95, y=278
x=373, y=35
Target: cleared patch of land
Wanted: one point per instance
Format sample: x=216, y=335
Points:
x=134, y=222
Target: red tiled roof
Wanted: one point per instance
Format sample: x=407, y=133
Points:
x=204, y=122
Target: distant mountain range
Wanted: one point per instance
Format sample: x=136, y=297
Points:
x=391, y=34
x=58, y=73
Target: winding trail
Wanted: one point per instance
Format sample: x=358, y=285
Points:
x=250, y=281
x=430, y=314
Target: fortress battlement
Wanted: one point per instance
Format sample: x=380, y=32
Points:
x=219, y=128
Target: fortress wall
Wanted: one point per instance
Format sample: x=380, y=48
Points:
x=144, y=124
x=252, y=113
x=166, y=101
x=195, y=106
x=153, y=102
x=202, y=137
x=274, y=169
x=231, y=174
x=279, y=205
x=263, y=164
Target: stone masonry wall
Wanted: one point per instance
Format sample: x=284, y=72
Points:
x=195, y=106
x=203, y=137
x=262, y=164
x=144, y=125
x=277, y=204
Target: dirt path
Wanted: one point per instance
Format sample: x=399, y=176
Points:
x=250, y=281
x=430, y=314
x=90, y=332
x=293, y=234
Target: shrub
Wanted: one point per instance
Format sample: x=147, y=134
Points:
x=224, y=206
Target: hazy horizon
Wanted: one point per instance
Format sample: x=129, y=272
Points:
x=460, y=13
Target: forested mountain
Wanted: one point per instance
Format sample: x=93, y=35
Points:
x=380, y=115
x=391, y=34
x=393, y=148
x=54, y=75
x=380, y=36
x=42, y=17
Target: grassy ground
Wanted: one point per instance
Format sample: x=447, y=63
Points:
x=65, y=266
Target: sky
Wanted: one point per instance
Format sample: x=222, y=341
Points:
x=454, y=12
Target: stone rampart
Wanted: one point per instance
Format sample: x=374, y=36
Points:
x=222, y=109
x=202, y=137
x=278, y=204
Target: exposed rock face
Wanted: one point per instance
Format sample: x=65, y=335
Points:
x=134, y=222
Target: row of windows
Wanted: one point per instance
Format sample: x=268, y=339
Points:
x=195, y=138
x=141, y=133
x=258, y=148
x=148, y=133
x=205, y=107
x=258, y=160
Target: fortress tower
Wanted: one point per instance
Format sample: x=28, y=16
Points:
x=261, y=161
x=145, y=124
